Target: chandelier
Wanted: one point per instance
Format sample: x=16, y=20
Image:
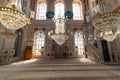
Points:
x=107, y=22
x=59, y=34
x=12, y=17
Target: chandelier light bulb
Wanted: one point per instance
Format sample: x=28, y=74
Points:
x=109, y=36
x=12, y=17
x=60, y=35
x=107, y=20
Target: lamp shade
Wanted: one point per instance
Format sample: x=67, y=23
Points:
x=50, y=15
x=69, y=14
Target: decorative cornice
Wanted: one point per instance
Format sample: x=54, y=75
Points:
x=115, y=10
x=8, y=34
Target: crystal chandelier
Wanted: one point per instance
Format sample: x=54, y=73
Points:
x=12, y=17
x=109, y=36
x=59, y=34
x=107, y=22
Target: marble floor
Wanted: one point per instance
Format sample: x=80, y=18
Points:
x=59, y=69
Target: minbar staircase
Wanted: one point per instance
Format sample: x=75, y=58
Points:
x=59, y=69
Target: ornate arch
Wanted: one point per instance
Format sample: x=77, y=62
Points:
x=41, y=1
x=59, y=1
x=77, y=1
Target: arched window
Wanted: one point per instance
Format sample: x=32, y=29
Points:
x=39, y=41
x=41, y=10
x=77, y=10
x=59, y=9
x=79, y=43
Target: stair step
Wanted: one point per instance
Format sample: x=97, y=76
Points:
x=58, y=70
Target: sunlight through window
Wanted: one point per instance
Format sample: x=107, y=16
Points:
x=79, y=43
x=59, y=10
x=39, y=42
x=77, y=10
x=41, y=11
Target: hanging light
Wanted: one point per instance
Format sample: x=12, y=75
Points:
x=12, y=17
x=107, y=20
x=109, y=36
x=59, y=35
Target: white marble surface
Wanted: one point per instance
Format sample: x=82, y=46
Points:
x=58, y=69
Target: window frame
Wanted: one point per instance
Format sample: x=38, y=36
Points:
x=80, y=11
x=38, y=13
x=59, y=3
x=39, y=42
x=79, y=43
